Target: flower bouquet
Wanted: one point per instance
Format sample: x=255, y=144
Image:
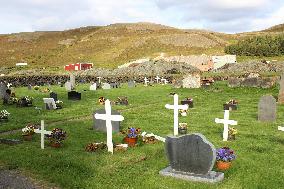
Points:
x=132, y=136
x=59, y=104
x=25, y=101
x=4, y=114
x=28, y=131
x=182, y=128
x=56, y=137
x=224, y=158
x=232, y=133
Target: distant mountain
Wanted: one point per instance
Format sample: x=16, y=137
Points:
x=108, y=46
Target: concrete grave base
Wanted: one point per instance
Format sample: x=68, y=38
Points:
x=211, y=177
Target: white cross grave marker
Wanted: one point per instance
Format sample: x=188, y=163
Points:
x=280, y=128
x=146, y=81
x=176, y=109
x=99, y=79
x=226, y=123
x=42, y=132
x=9, y=85
x=164, y=80
x=108, y=118
x=157, y=79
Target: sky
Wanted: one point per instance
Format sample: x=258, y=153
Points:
x=230, y=16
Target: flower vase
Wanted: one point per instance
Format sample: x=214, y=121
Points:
x=55, y=145
x=28, y=137
x=182, y=131
x=222, y=165
x=130, y=141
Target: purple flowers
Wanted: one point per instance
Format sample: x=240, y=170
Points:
x=225, y=154
x=132, y=133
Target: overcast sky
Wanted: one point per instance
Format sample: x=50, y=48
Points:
x=229, y=16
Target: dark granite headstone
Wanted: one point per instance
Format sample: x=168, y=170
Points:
x=74, y=95
x=100, y=125
x=191, y=157
x=267, y=108
x=53, y=95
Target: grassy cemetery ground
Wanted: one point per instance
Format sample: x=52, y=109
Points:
x=259, y=146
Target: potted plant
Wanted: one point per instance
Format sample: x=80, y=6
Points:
x=28, y=132
x=232, y=133
x=231, y=105
x=4, y=114
x=224, y=158
x=182, y=128
x=56, y=137
x=132, y=136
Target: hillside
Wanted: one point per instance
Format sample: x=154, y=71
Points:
x=106, y=46
x=277, y=28
x=112, y=45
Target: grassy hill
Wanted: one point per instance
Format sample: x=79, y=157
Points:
x=112, y=45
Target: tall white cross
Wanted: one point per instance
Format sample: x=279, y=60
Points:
x=176, y=109
x=226, y=123
x=146, y=81
x=42, y=132
x=99, y=79
x=164, y=80
x=108, y=118
x=280, y=128
x=157, y=79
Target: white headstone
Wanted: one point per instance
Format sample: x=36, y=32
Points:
x=157, y=79
x=165, y=81
x=106, y=86
x=42, y=132
x=50, y=102
x=108, y=118
x=99, y=79
x=226, y=123
x=176, y=109
x=146, y=81
x=68, y=86
x=93, y=87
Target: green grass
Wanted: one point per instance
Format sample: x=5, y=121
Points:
x=259, y=146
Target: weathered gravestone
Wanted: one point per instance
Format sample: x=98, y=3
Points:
x=131, y=84
x=106, y=86
x=53, y=95
x=29, y=87
x=114, y=85
x=93, y=87
x=281, y=91
x=267, y=108
x=74, y=95
x=68, y=86
x=49, y=103
x=3, y=88
x=192, y=158
x=100, y=125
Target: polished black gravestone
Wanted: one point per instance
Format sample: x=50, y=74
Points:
x=74, y=95
x=53, y=95
x=100, y=125
x=192, y=158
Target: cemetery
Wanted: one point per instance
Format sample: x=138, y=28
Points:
x=89, y=142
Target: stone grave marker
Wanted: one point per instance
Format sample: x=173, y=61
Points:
x=29, y=87
x=100, y=125
x=176, y=109
x=93, y=87
x=68, y=86
x=53, y=95
x=157, y=79
x=164, y=81
x=146, y=81
x=191, y=158
x=42, y=132
x=99, y=78
x=109, y=118
x=49, y=103
x=267, y=108
x=72, y=81
x=226, y=123
x=114, y=85
x=106, y=86
x=3, y=88
x=131, y=84
x=281, y=91
x=74, y=95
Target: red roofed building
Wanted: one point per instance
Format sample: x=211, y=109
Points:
x=78, y=66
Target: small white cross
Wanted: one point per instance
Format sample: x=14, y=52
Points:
x=226, y=123
x=157, y=79
x=164, y=80
x=146, y=81
x=176, y=109
x=9, y=84
x=108, y=118
x=42, y=132
x=99, y=79
x=280, y=128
